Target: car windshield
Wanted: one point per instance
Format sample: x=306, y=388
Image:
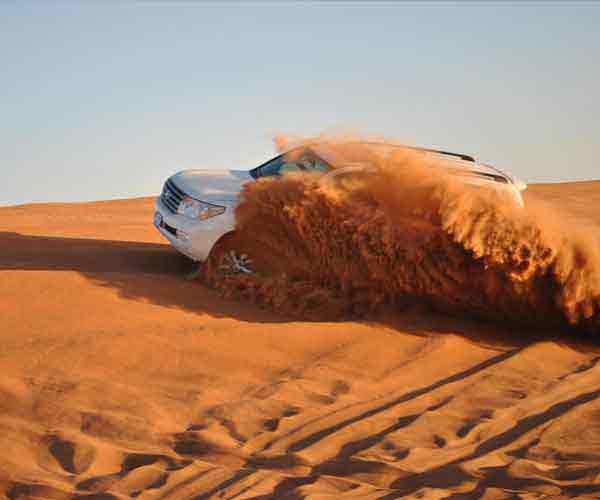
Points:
x=297, y=160
x=278, y=166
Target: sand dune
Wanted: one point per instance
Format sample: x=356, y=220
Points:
x=120, y=379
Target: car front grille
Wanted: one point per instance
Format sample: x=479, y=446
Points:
x=171, y=196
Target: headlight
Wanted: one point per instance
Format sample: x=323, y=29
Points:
x=195, y=209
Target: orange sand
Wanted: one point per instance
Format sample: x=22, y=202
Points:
x=120, y=379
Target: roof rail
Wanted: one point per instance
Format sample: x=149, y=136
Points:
x=461, y=156
x=447, y=153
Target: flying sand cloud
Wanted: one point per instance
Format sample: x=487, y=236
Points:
x=411, y=232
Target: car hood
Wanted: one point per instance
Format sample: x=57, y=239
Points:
x=221, y=187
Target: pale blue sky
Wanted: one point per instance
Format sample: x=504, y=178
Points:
x=106, y=99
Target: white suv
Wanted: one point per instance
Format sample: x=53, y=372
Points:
x=196, y=207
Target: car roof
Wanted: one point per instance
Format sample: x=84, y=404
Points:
x=338, y=153
x=378, y=145
x=342, y=152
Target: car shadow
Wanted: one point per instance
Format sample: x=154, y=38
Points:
x=137, y=270
x=156, y=273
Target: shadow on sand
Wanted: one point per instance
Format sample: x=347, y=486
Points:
x=155, y=272
x=138, y=271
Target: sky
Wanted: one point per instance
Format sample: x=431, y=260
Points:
x=103, y=100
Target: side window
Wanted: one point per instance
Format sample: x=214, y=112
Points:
x=289, y=166
x=312, y=163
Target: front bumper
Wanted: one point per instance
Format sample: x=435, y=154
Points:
x=193, y=238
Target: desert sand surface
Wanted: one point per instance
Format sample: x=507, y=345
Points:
x=121, y=379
